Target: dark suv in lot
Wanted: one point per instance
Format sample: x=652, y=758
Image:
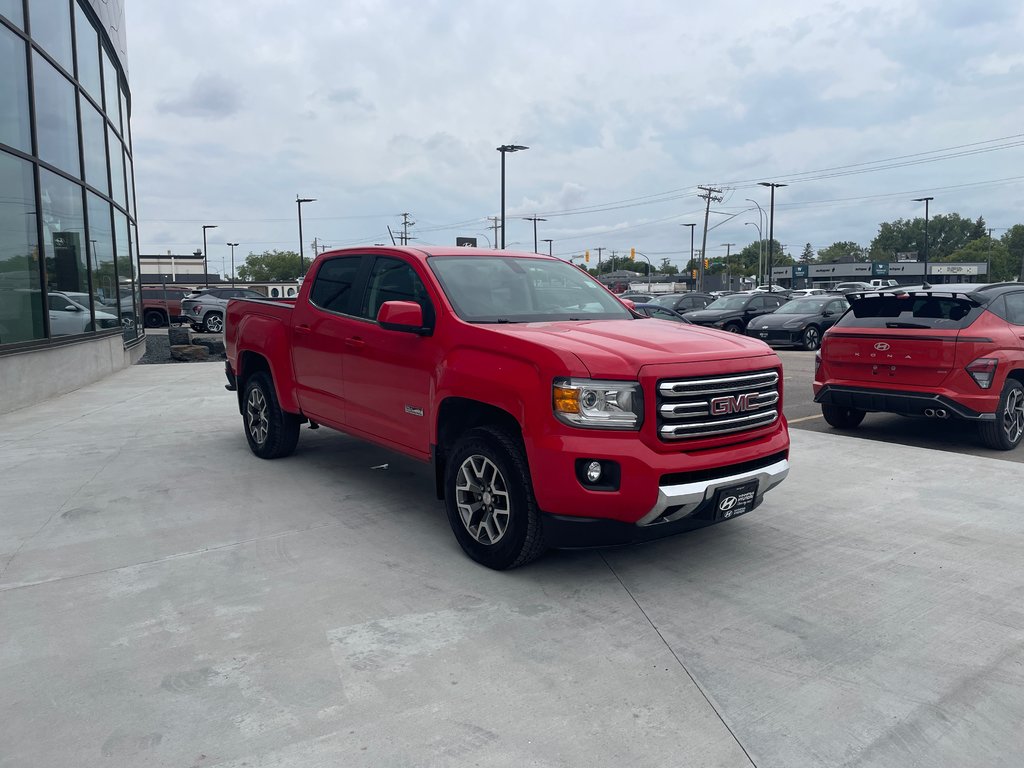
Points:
x=955, y=351
x=684, y=302
x=205, y=310
x=732, y=313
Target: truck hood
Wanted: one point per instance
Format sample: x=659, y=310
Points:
x=620, y=348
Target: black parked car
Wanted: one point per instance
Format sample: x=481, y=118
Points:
x=800, y=322
x=660, y=313
x=684, y=302
x=732, y=313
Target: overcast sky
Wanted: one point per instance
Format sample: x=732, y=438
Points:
x=376, y=108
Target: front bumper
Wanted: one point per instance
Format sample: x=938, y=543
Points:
x=904, y=403
x=778, y=336
x=680, y=508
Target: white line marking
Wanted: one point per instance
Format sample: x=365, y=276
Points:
x=803, y=418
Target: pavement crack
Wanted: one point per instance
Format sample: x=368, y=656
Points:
x=679, y=661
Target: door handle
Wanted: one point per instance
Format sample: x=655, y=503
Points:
x=304, y=329
x=355, y=342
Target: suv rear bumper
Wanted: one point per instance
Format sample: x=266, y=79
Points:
x=896, y=401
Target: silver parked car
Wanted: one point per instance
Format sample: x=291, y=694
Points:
x=205, y=310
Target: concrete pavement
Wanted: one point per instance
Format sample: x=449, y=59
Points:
x=167, y=599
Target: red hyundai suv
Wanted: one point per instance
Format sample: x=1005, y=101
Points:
x=953, y=351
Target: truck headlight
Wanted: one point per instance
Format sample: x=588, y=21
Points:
x=598, y=404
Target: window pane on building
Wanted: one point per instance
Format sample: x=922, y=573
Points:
x=51, y=29
x=95, y=146
x=56, y=117
x=14, y=125
x=88, y=53
x=125, y=273
x=64, y=251
x=12, y=10
x=116, y=168
x=110, y=91
x=21, y=300
x=101, y=243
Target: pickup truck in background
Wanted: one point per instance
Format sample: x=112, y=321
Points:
x=553, y=415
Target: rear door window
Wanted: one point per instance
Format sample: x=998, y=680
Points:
x=335, y=280
x=911, y=311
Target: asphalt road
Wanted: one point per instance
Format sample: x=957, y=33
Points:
x=951, y=435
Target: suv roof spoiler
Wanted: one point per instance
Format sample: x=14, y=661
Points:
x=973, y=296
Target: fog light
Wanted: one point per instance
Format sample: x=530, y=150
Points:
x=594, y=471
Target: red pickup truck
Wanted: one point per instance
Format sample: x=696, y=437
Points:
x=553, y=415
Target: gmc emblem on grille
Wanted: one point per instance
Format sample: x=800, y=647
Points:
x=731, y=404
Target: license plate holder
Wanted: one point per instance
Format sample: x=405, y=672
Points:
x=735, y=500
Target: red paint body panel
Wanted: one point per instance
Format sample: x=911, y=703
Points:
x=388, y=386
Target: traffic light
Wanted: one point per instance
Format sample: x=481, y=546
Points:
x=705, y=263
x=586, y=256
x=632, y=253
x=693, y=274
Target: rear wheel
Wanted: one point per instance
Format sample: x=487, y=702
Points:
x=213, y=322
x=489, y=499
x=841, y=417
x=154, y=319
x=811, y=338
x=272, y=433
x=1005, y=433
x=734, y=328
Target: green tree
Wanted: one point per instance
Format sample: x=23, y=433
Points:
x=667, y=268
x=808, y=254
x=270, y=266
x=989, y=251
x=946, y=233
x=843, y=251
x=1013, y=239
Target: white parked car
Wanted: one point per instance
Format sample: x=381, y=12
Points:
x=802, y=292
x=69, y=315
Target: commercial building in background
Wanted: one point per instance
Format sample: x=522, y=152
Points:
x=69, y=278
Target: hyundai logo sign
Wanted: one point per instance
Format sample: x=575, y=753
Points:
x=881, y=346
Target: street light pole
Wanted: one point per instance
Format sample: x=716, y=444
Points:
x=232, y=263
x=302, y=251
x=760, y=244
x=762, y=220
x=548, y=240
x=650, y=268
x=771, y=229
x=692, y=227
x=925, y=200
x=503, y=149
x=206, y=270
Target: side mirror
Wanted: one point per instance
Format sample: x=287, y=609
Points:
x=71, y=308
x=630, y=304
x=406, y=316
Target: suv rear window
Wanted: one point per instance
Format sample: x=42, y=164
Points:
x=918, y=311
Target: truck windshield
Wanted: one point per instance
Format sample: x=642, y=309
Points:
x=507, y=289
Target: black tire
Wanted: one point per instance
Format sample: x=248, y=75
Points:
x=811, y=338
x=155, y=319
x=733, y=328
x=840, y=417
x=510, y=490
x=272, y=433
x=1005, y=433
x=213, y=322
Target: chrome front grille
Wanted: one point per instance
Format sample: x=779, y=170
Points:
x=717, y=405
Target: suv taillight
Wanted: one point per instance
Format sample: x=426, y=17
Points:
x=197, y=308
x=983, y=371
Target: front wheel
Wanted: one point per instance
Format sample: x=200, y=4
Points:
x=154, y=319
x=734, y=328
x=842, y=418
x=1005, y=433
x=213, y=322
x=272, y=433
x=489, y=499
x=811, y=338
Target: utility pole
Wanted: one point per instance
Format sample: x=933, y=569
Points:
x=692, y=227
x=494, y=225
x=599, y=250
x=728, y=273
x=708, y=194
x=548, y=240
x=534, y=219
x=405, y=228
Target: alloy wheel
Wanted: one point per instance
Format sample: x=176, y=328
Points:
x=1013, y=415
x=812, y=338
x=256, y=416
x=214, y=323
x=482, y=498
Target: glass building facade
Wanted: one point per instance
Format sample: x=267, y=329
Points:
x=68, y=243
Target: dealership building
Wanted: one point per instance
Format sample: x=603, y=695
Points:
x=69, y=277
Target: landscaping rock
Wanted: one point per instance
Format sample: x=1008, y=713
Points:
x=215, y=345
x=178, y=336
x=189, y=352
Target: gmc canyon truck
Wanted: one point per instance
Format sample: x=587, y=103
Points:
x=553, y=415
